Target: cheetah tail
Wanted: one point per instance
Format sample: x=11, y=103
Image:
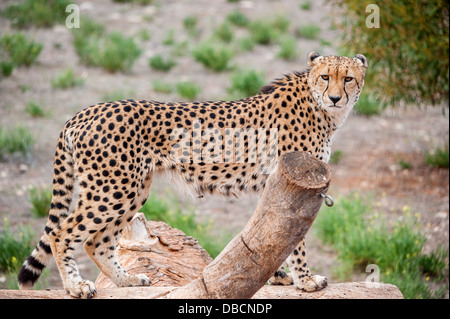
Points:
x=60, y=208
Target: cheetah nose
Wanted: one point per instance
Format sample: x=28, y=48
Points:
x=334, y=99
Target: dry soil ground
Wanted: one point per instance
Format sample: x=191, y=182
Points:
x=371, y=146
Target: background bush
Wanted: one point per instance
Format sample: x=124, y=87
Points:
x=408, y=54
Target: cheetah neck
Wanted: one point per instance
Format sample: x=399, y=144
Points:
x=292, y=95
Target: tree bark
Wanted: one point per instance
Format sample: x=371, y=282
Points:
x=347, y=290
x=288, y=207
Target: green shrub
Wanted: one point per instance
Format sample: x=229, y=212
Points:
x=335, y=156
x=188, y=90
x=38, y=13
x=288, y=48
x=224, y=33
x=162, y=87
x=15, y=247
x=213, y=56
x=263, y=32
x=19, y=49
x=113, y=52
x=158, y=62
x=361, y=237
x=438, y=158
x=67, y=79
x=6, y=68
x=118, y=52
x=34, y=109
x=190, y=25
x=408, y=53
x=309, y=31
x=246, y=83
x=305, y=5
x=16, y=139
x=238, y=19
x=369, y=105
x=40, y=199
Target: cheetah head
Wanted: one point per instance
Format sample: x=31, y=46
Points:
x=336, y=81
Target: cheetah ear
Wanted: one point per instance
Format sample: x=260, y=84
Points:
x=312, y=56
x=361, y=59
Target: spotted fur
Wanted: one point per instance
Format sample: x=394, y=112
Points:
x=106, y=156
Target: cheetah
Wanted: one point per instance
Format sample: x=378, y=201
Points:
x=107, y=154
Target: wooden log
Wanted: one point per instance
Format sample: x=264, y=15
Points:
x=286, y=210
x=164, y=254
x=348, y=290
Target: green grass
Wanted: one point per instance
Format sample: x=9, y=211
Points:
x=262, y=32
x=404, y=164
x=369, y=105
x=246, y=83
x=170, y=211
x=267, y=31
x=336, y=156
x=190, y=25
x=237, y=18
x=158, y=62
x=67, y=79
x=306, y=5
x=187, y=90
x=6, y=68
x=118, y=94
x=288, y=48
x=214, y=56
x=113, y=52
x=438, y=158
x=16, y=246
x=16, y=139
x=19, y=49
x=37, y=13
x=162, y=86
x=361, y=237
x=309, y=31
x=224, y=32
x=35, y=109
x=40, y=199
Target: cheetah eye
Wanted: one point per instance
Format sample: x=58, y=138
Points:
x=325, y=77
x=348, y=79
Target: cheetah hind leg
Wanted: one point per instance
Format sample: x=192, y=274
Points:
x=299, y=274
x=101, y=246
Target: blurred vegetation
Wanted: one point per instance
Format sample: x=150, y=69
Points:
x=40, y=199
x=37, y=13
x=16, y=246
x=113, y=51
x=67, y=79
x=439, y=157
x=408, y=54
x=158, y=62
x=245, y=83
x=214, y=56
x=362, y=237
x=16, y=139
x=187, y=90
x=16, y=50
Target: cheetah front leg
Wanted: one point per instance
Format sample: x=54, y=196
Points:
x=299, y=275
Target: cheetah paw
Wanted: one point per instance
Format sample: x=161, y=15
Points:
x=84, y=290
x=312, y=283
x=281, y=278
x=137, y=280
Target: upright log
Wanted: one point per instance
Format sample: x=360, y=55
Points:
x=288, y=207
